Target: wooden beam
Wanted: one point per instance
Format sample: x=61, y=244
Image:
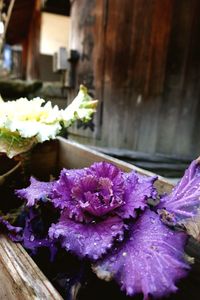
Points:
x=33, y=43
x=10, y=9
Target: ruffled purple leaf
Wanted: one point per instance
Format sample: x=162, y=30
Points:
x=90, y=240
x=107, y=170
x=109, y=191
x=91, y=192
x=150, y=262
x=96, y=196
x=13, y=232
x=184, y=201
x=102, y=190
x=37, y=191
x=62, y=194
x=138, y=189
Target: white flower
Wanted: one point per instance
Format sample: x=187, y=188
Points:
x=82, y=108
x=32, y=121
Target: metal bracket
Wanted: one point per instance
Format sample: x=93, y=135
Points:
x=65, y=62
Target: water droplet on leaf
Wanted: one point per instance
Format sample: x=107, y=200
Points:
x=95, y=256
x=120, y=238
x=114, y=227
x=152, y=220
x=129, y=290
x=112, y=259
x=67, y=245
x=32, y=238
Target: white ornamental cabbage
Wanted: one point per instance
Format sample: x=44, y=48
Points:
x=24, y=122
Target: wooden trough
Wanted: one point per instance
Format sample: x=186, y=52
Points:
x=20, y=277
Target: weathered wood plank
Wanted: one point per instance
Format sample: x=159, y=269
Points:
x=20, y=277
x=178, y=106
x=145, y=67
x=137, y=155
x=74, y=155
x=165, y=165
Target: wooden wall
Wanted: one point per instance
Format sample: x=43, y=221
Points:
x=142, y=59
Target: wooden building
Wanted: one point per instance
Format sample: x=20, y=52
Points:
x=142, y=60
x=26, y=27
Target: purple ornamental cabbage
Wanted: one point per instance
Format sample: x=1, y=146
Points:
x=95, y=203
x=105, y=217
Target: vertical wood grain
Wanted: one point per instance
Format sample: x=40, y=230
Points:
x=33, y=44
x=145, y=64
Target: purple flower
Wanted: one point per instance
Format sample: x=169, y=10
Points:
x=95, y=202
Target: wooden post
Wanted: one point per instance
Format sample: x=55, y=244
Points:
x=32, y=44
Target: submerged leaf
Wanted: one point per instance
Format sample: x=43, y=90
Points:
x=150, y=261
